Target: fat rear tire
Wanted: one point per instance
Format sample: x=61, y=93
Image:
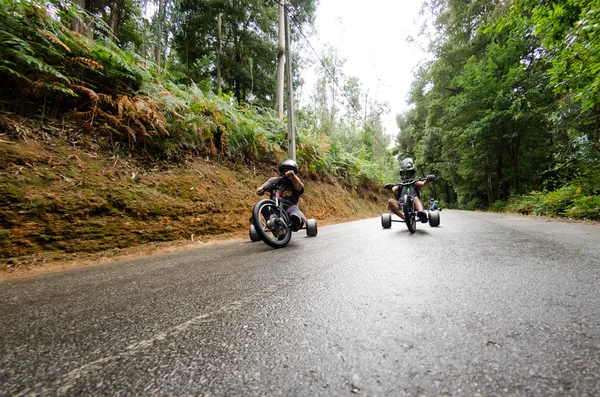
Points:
x=434, y=218
x=386, y=221
x=311, y=227
x=253, y=234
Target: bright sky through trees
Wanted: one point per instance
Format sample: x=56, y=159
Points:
x=372, y=36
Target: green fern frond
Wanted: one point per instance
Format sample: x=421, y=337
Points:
x=37, y=64
x=8, y=70
x=61, y=88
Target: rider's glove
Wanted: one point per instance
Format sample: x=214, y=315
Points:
x=430, y=177
x=387, y=186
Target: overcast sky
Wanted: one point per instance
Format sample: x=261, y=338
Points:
x=372, y=35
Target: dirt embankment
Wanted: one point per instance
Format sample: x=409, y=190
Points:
x=62, y=205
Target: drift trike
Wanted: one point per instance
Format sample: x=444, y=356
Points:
x=408, y=208
x=271, y=223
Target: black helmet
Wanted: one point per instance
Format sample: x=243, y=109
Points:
x=286, y=165
x=407, y=169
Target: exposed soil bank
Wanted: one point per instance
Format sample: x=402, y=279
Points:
x=64, y=205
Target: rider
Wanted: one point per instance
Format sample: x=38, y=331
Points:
x=433, y=204
x=407, y=173
x=291, y=189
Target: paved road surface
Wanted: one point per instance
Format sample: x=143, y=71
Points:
x=485, y=304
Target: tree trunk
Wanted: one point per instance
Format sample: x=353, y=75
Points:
x=115, y=19
x=516, y=145
x=158, y=47
x=500, y=189
x=597, y=132
x=490, y=188
x=237, y=82
x=333, y=110
x=280, y=61
x=77, y=25
x=449, y=195
x=219, y=52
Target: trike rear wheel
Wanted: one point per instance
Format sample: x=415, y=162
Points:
x=434, y=218
x=386, y=221
x=311, y=227
x=253, y=234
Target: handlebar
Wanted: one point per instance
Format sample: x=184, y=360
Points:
x=274, y=185
x=391, y=185
x=411, y=182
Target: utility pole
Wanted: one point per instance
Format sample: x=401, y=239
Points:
x=219, y=50
x=290, y=93
x=280, y=61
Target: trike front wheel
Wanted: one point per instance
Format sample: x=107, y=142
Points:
x=410, y=217
x=271, y=224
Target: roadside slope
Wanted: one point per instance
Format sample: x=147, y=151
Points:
x=63, y=203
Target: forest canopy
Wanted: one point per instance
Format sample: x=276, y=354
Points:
x=506, y=111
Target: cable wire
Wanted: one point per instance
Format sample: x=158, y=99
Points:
x=298, y=26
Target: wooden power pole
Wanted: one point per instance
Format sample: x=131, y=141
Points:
x=219, y=50
x=290, y=93
x=279, y=95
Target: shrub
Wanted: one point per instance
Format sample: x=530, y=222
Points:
x=557, y=202
x=531, y=204
x=499, y=206
x=585, y=208
x=475, y=204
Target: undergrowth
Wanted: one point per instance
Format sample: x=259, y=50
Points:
x=570, y=201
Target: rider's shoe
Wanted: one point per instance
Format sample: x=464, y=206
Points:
x=296, y=223
x=422, y=216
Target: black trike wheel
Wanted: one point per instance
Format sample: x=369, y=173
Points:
x=410, y=216
x=253, y=234
x=434, y=218
x=386, y=221
x=311, y=227
x=271, y=225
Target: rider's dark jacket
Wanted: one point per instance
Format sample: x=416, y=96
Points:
x=401, y=192
x=289, y=195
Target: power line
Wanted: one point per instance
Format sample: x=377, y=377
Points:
x=298, y=26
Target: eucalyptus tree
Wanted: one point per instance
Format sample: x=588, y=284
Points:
x=433, y=124
x=504, y=100
x=569, y=30
x=246, y=56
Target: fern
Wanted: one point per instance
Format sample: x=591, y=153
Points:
x=12, y=71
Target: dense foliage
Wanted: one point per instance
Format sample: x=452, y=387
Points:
x=124, y=101
x=509, y=105
x=506, y=112
x=246, y=54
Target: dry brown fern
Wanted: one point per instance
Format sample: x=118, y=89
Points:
x=54, y=39
x=86, y=62
x=94, y=98
x=136, y=118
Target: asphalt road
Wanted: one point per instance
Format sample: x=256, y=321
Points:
x=485, y=304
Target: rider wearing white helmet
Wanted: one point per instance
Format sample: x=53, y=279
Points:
x=407, y=173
